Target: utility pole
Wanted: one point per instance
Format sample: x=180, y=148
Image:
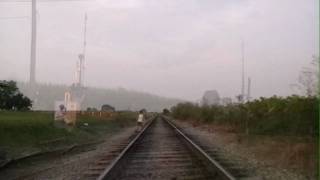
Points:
x=243, y=81
x=249, y=90
x=32, y=80
x=33, y=92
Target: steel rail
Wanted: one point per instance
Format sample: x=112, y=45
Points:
x=107, y=171
x=222, y=170
x=194, y=147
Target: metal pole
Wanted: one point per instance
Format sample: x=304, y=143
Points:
x=83, y=55
x=249, y=90
x=242, y=85
x=85, y=34
x=33, y=43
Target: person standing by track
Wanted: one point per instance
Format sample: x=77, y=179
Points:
x=140, y=121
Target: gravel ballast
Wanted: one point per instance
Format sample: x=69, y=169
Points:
x=230, y=147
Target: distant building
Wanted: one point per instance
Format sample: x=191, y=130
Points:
x=226, y=101
x=211, y=97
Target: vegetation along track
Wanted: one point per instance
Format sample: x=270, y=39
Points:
x=161, y=151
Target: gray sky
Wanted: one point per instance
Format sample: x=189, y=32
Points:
x=173, y=48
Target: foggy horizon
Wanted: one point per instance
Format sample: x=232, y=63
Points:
x=171, y=49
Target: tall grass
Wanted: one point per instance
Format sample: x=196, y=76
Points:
x=293, y=115
x=21, y=128
x=21, y=132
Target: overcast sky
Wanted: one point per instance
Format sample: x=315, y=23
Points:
x=172, y=48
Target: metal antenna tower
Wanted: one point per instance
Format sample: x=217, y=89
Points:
x=249, y=90
x=82, y=56
x=85, y=34
x=33, y=54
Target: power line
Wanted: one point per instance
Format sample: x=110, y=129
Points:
x=14, y=17
x=26, y=1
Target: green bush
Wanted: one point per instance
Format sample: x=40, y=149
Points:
x=293, y=115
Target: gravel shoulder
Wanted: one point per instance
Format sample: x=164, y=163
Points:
x=70, y=165
x=245, y=154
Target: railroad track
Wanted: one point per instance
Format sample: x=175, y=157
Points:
x=162, y=151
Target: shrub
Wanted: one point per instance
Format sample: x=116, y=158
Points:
x=293, y=115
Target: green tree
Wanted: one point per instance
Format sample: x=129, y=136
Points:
x=11, y=98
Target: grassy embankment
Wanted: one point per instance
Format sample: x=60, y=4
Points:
x=23, y=133
x=280, y=131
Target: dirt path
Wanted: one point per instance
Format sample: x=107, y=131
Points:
x=68, y=166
